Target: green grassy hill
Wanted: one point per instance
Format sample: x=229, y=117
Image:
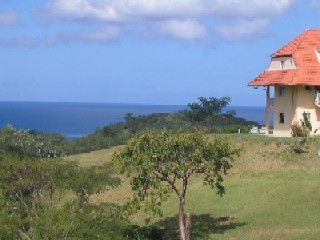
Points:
x=272, y=192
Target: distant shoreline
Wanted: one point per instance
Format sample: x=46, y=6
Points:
x=74, y=120
x=106, y=103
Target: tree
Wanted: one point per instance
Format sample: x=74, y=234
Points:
x=209, y=108
x=162, y=163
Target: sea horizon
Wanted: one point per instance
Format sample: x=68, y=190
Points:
x=108, y=103
x=77, y=119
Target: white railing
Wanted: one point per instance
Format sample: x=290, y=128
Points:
x=317, y=98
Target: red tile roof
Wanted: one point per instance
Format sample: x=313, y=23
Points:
x=307, y=71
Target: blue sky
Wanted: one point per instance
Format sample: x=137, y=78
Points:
x=143, y=51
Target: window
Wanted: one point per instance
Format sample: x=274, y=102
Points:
x=281, y=118
x=282, y=91
x=307, y=88
x=282, y=66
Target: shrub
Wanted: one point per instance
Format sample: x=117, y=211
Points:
x=300, y=146
x=297, y=130
x=25, y=143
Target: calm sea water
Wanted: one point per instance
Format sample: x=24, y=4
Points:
x=74, y=120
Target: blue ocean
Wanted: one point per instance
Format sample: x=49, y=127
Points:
x=74, y=120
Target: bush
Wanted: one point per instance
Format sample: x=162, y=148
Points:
x=25, y=143
x=300, y=146
x=298, y=130
x=31, y=207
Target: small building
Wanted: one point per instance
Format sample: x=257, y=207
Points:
x=293, y=77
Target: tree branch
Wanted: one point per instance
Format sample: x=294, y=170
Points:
x=159, y=174
x=23, y=202
x=184, y=186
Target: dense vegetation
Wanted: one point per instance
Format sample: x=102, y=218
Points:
x=206, y=115
x=25, y=143
x=44, y=197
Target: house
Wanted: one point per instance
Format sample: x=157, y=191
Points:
x=293, y=77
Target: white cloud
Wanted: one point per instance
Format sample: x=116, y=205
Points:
x=243, y=29
x=77, y=9
x=188, y=29
x=180, y=19
x=127, y=10
x=9, y=18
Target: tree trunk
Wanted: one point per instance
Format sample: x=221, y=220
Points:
x=181, y=221
x=184, y=222
x=188, y=225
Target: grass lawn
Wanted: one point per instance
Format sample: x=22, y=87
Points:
x=271, y=193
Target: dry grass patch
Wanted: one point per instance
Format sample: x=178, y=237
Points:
x=261, y=153
x=93, y=158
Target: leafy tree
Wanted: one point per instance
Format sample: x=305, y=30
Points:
x=209, y=108
x=162, y=163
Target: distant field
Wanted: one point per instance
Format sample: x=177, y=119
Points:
x=271, y=193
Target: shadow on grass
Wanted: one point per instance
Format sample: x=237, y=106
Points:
x=201, y=228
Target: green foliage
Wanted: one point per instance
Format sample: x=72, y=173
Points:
x=168, y=157
x=23, y=187
x=85, y=182
x=162, y=163
x=97, y=221
x=206, y=115
x=30, y=143
x=119, y=133
x=208, y=108
x=303, y=128
x=306, y=121
x=31, y=207
x=297, y=130
x=300, y=146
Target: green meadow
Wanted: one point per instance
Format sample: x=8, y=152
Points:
x=272, y=192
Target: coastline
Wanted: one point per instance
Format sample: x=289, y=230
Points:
x=73, y=120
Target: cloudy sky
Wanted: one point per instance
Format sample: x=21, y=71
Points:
x=143, y=51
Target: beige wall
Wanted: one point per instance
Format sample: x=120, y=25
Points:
x=296, y=101
x=283, y=104
x=275, y=63
x=305, y=103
